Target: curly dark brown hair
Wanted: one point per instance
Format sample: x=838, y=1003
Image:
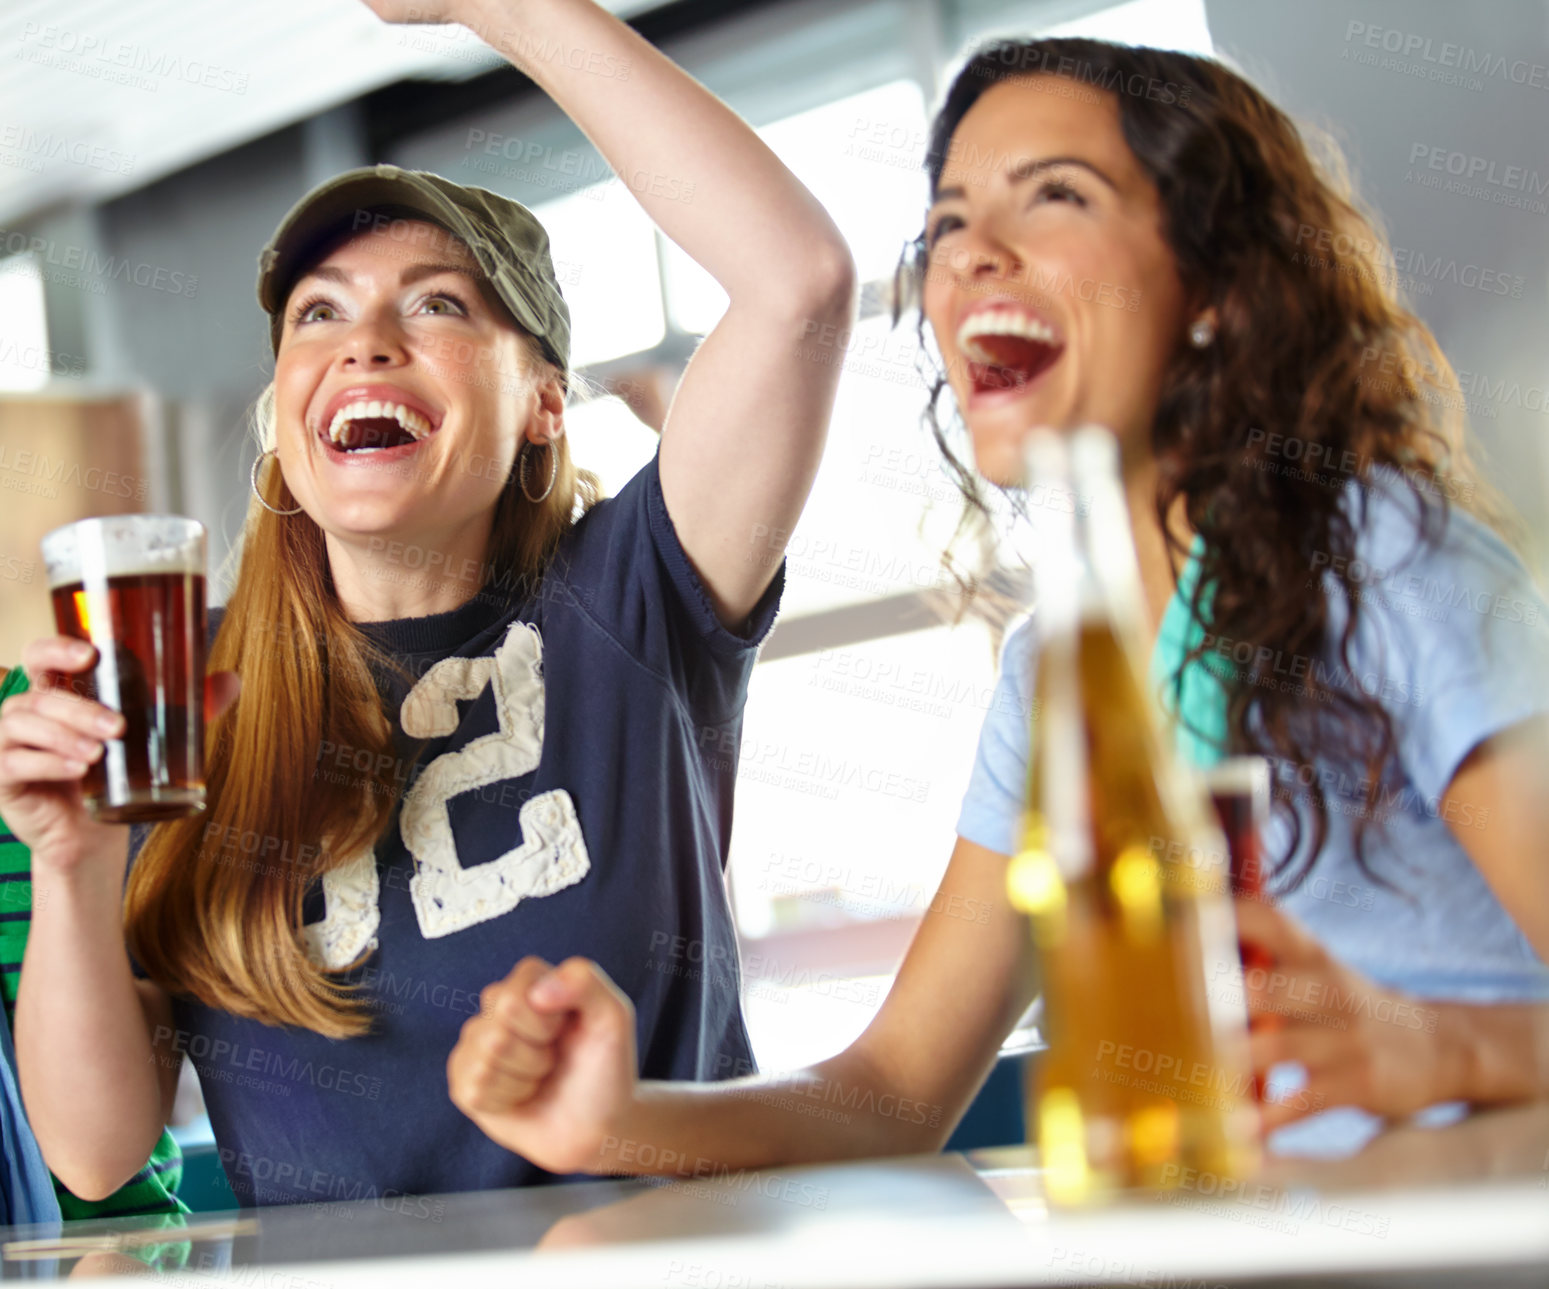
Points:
x=1316, y=361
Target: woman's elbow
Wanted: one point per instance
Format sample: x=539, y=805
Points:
x=91, y=1175
x=86, y=1181
x=824, y=286
x=834, y=276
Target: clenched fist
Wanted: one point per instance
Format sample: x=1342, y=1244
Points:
x=547, y=1068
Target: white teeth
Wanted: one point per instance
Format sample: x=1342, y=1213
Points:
x=1001, y=322
x=370, y=409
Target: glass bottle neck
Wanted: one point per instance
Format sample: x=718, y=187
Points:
x=1085, y=571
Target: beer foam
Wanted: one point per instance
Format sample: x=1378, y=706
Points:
x=123, y=546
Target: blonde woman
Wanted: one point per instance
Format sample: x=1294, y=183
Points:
x=473, y=697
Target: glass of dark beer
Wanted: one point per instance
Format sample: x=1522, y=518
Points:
x=1239, y=790
x=133, y=586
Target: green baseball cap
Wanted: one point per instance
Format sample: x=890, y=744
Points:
x=511, y=246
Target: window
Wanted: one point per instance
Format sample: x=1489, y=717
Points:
x=1167, y=24
x=882, y=508
x=862, y=158
x=606, y=439
x=859, y=535
x=604, y=249
x=25, y=360
x=854, y=763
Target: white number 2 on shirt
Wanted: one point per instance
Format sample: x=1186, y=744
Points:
x=448, y=897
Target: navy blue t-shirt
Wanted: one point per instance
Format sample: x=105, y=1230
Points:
x=564, y=783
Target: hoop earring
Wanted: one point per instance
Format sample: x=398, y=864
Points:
x=524, y=460
x=253, y=481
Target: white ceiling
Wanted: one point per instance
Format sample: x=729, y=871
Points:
x=99, y=97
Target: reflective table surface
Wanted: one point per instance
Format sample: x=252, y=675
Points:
x=1463, y=1205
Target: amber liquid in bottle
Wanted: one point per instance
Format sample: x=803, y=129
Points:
x=1123, y=877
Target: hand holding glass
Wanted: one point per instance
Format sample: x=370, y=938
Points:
x=133, y=586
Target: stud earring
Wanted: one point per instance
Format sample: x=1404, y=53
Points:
x=1202, y=333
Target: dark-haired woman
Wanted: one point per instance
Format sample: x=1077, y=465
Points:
x=1140, y=239
x=472, y=719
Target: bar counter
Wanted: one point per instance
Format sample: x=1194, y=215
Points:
x=1464, y=1205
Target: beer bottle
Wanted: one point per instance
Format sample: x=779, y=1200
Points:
x=1122, y=873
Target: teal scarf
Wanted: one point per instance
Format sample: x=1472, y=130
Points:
x=1193, y=695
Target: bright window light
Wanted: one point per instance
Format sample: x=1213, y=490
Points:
x=604, y=248
x=791, y=1028
x=24, y=357
x=860, y=536
x=607, y=439
x=881, y=508
x=695, y=299
x=863, y=157
x=854, y=763
x=1163, y=24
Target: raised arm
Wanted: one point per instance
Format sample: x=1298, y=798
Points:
x=745, y=433
x=547, y=1067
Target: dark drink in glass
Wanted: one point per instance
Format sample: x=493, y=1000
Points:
x=133, y=586
x=1239, y=790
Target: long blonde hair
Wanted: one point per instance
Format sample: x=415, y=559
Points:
x=213, y=905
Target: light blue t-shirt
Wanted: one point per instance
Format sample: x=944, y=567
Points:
x=1453, y=638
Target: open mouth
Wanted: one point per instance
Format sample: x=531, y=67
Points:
x=372, y=425
x=1007, y=350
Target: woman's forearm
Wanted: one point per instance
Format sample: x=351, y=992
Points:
x=1497, y=1052
x=835, y=1110
x=702, y=174
x=83, y=1045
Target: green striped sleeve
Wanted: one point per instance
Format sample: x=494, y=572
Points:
x=15, y=887
x=154, y=1188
